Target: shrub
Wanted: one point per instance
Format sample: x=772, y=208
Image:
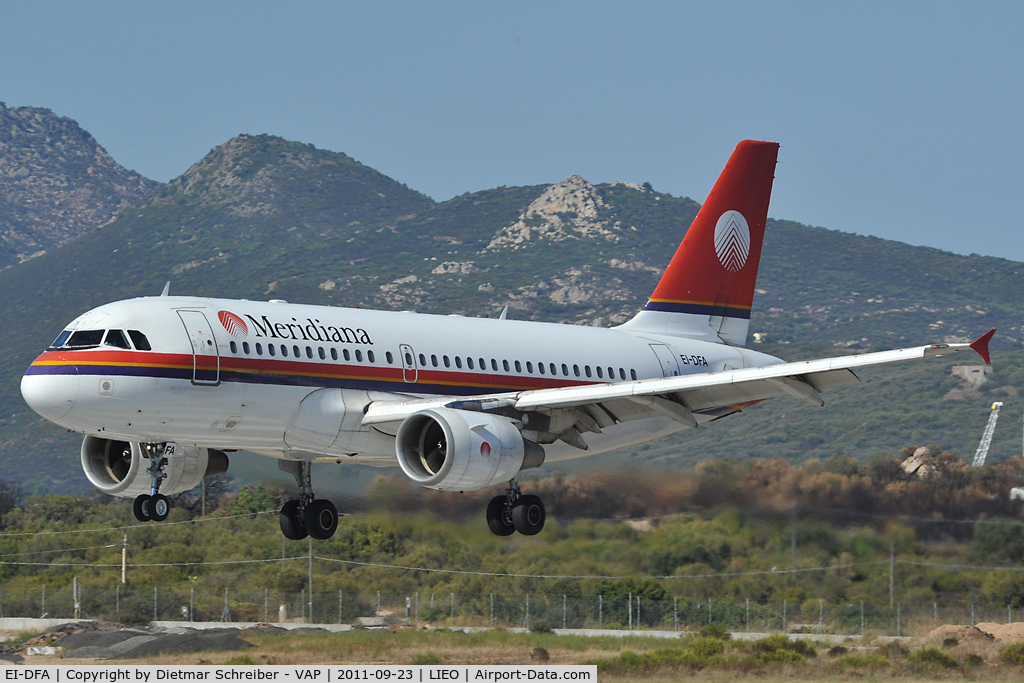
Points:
x=780, y=641
x=973, y=660
x=837, y=651
x=428, y=659
x=241, y=659
x=950, y=642
x=714, y=630
x=782, y=657
x=862, y=661
x=540, y=626
x=932, y=655
x=893, y=650
x=707, y=647
x=1013, y=654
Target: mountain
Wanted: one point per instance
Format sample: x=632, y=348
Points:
x=56, y=183
x=261, y=217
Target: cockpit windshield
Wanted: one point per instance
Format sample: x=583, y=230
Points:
x=88, y=339
x=84, y=338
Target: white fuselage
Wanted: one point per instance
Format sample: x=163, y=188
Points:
x=232, y=374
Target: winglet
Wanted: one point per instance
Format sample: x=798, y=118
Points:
x=981, y=345
x=167, y=289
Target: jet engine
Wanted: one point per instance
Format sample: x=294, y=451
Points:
x=461, y=450
x=119, y=467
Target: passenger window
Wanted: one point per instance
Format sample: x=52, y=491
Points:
x=540, y=366
x=117, y=339
x=576, y=370
x=346, y=354
x=309, y=352
x=554, y=370
x=600, y=372
x=565, y=369
x=529, y=367
x=369, y=357
x=423, y=361
x=622, y=374
x=483, y=364
x=139, y=340
x=586, y=370
x=234, y=347
x=458, y=362
x=447, y=362
x=390, y=357
x=433, y=360
x=334, y=354
x=611, y=373
x=494, y=365
x=469, y=362
x=632, y=373
x=295, y=350
x=259, y=349
x=320, y=352
x=359, y=356
x=504, y=364
x=61, y=338
x=519, y=368
x=284, y=351
x=270, y=350
x=84, y=338
x=245, y=348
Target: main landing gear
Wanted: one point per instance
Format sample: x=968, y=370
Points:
x=306, y=516
x=154, y=506
x=512, y=512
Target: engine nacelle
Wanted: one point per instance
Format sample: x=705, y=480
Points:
x=119, y=467
x=461, y=450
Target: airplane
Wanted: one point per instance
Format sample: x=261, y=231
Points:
x=164, y=387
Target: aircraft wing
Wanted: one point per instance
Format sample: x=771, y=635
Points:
x=681, y=398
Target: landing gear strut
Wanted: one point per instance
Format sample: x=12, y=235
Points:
x=306, y=516
x=154, y=506
x=514, y=512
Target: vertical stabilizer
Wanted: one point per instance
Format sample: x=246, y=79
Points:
x=708, y=288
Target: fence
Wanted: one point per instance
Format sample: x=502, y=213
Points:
x=184, y=603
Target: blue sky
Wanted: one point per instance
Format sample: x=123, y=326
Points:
x=902, y=120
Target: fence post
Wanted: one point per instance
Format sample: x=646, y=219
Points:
x=117, y=599
x=563, y=610
x=155, y=614
x=675, y=611
x=899, y=630
x=44, y=601
x=821, y=615
x=629, y=605
x=935, y=609
x=748, y=615
x=861, y=618
x=266, y=605
x=452, y=622
x=600, y=612
x=302, y=605
x=377, y=614
x=492, y=610
x=1009, y=615
x=192, y=604
x=709, y=610
x=526, y=619
x=784, y=615
x=339, y=607
x=638, y=613
x=972, y=614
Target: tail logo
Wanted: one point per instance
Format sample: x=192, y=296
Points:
x=234, y=325
x=732, y=240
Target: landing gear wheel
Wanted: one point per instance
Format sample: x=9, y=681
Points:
x=528, y=515
x=291, y=523
x=142, y=507
x=159, y=508
x=499, y=516
x=321, y=519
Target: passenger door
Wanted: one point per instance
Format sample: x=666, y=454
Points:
x=205, y=354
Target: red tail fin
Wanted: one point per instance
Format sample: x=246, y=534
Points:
x=708, y=288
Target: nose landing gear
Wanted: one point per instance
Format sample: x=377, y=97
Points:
x=306, y=516
x=514, y=512
x=154, y=506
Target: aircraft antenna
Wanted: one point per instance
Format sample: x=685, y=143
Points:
x=986, y=438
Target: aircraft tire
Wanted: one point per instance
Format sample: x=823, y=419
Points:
x=159, y=508
x=142, y=507
x=291, y=526
x=498, y=522
x=321, y=519
x=528, y=515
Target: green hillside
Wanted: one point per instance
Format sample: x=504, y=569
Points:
x=260, y=217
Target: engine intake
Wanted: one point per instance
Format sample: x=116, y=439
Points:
x=461, y=450
x=119, y=468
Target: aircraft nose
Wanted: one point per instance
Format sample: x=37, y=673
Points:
x=52, y=389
